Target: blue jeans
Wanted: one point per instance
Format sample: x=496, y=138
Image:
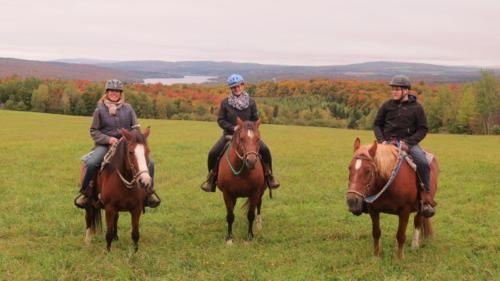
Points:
x=423, y=168
x=93, y=162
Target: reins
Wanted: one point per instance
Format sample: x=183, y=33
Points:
x=370, y=199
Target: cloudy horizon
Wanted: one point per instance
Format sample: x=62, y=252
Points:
x=311, y=33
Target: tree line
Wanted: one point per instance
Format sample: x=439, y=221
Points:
x=470, y=108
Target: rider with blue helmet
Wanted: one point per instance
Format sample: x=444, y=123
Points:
x=237, y=104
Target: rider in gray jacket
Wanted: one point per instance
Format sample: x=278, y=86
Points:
x=110, y=115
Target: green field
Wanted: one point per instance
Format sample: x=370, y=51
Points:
x=308, y=233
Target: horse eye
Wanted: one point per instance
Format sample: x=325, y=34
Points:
x=367, y=173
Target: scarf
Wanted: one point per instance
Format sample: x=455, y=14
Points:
x=239, y=102
x=113, y=106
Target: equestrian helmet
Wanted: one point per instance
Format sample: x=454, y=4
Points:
x=235, y=80
x=401, y=81
x=114, y=84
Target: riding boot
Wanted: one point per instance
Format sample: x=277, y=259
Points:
x=428, y=203
x=209, y=184
x=81, y=201
x=271, y=181
x=152, y=201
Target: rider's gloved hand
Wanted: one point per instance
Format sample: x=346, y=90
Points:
x=404, y=146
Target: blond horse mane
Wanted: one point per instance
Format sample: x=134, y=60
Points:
x=386, y=158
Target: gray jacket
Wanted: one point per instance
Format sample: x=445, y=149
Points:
x=104, y=126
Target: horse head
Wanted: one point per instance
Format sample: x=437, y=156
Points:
x=362, y=176
x=246, y=140
x=138, y=155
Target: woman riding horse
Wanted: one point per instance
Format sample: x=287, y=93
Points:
x=238, y=104
x=111, y=115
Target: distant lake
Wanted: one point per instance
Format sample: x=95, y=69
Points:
x=184, y=80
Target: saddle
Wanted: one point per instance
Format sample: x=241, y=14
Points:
x=412, y=164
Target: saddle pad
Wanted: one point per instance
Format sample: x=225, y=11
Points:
x=412, y=164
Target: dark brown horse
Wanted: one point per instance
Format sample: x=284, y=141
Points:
x=241, y=174
x=369, y=171
x=121, y=185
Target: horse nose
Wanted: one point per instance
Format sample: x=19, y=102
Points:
x=250, y=161
x=145, y=179
x=354, y=203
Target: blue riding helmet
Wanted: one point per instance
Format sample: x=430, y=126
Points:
x=235, y=80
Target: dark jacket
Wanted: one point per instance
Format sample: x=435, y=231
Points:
x=105, y=126
x=227, y=115
x=403, y=120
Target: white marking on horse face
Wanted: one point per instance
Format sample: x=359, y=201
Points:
x=250, y=134
x=141, y=161
x=358, y=164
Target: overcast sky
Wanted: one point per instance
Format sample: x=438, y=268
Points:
x=311, y=32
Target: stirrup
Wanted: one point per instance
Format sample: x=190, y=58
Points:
x=208, y=187
x=81, y=201
x=153, y=203
x=428, y=211
x=270, y=179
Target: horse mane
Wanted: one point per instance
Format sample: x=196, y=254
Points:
x=118, y=157
x=386, y=158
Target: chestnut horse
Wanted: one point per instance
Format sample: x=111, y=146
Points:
x=369, y=171
x=121, y=186
x=241, y=174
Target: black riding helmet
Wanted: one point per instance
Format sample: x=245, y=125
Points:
x=401, y=81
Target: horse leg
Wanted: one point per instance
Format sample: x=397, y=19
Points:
x=417, y=223
x=376, y=233
x=136, y=215
x=230, y=202
x=258, y=221
x=250, y=217
x=401, y=235
x=88, y=222
x=115, y=224
x=111, y=213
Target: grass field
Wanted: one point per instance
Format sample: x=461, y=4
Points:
x=308, y=233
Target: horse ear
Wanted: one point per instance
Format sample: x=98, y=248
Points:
x=357, y=144
x=147, y=131
x=239, y=122
x=373, y=149
x=257, y=123
x=126, y=134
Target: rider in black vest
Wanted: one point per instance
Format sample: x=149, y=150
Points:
x=110, y=115
x=238, y=104
x=403, y=118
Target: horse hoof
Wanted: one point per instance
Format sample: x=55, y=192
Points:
x=229, y=242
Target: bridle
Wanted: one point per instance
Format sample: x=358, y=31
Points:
x=245, y=153
x=137, y=173
x=243, y=157
x=373, y=172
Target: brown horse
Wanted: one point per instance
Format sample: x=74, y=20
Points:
x=369, y=171
x=241, y=174
x=121, y=185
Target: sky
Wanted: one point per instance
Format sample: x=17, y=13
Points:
x=312, y=32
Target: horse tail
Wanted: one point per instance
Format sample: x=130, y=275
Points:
x=427, y=224
x=94, y=215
